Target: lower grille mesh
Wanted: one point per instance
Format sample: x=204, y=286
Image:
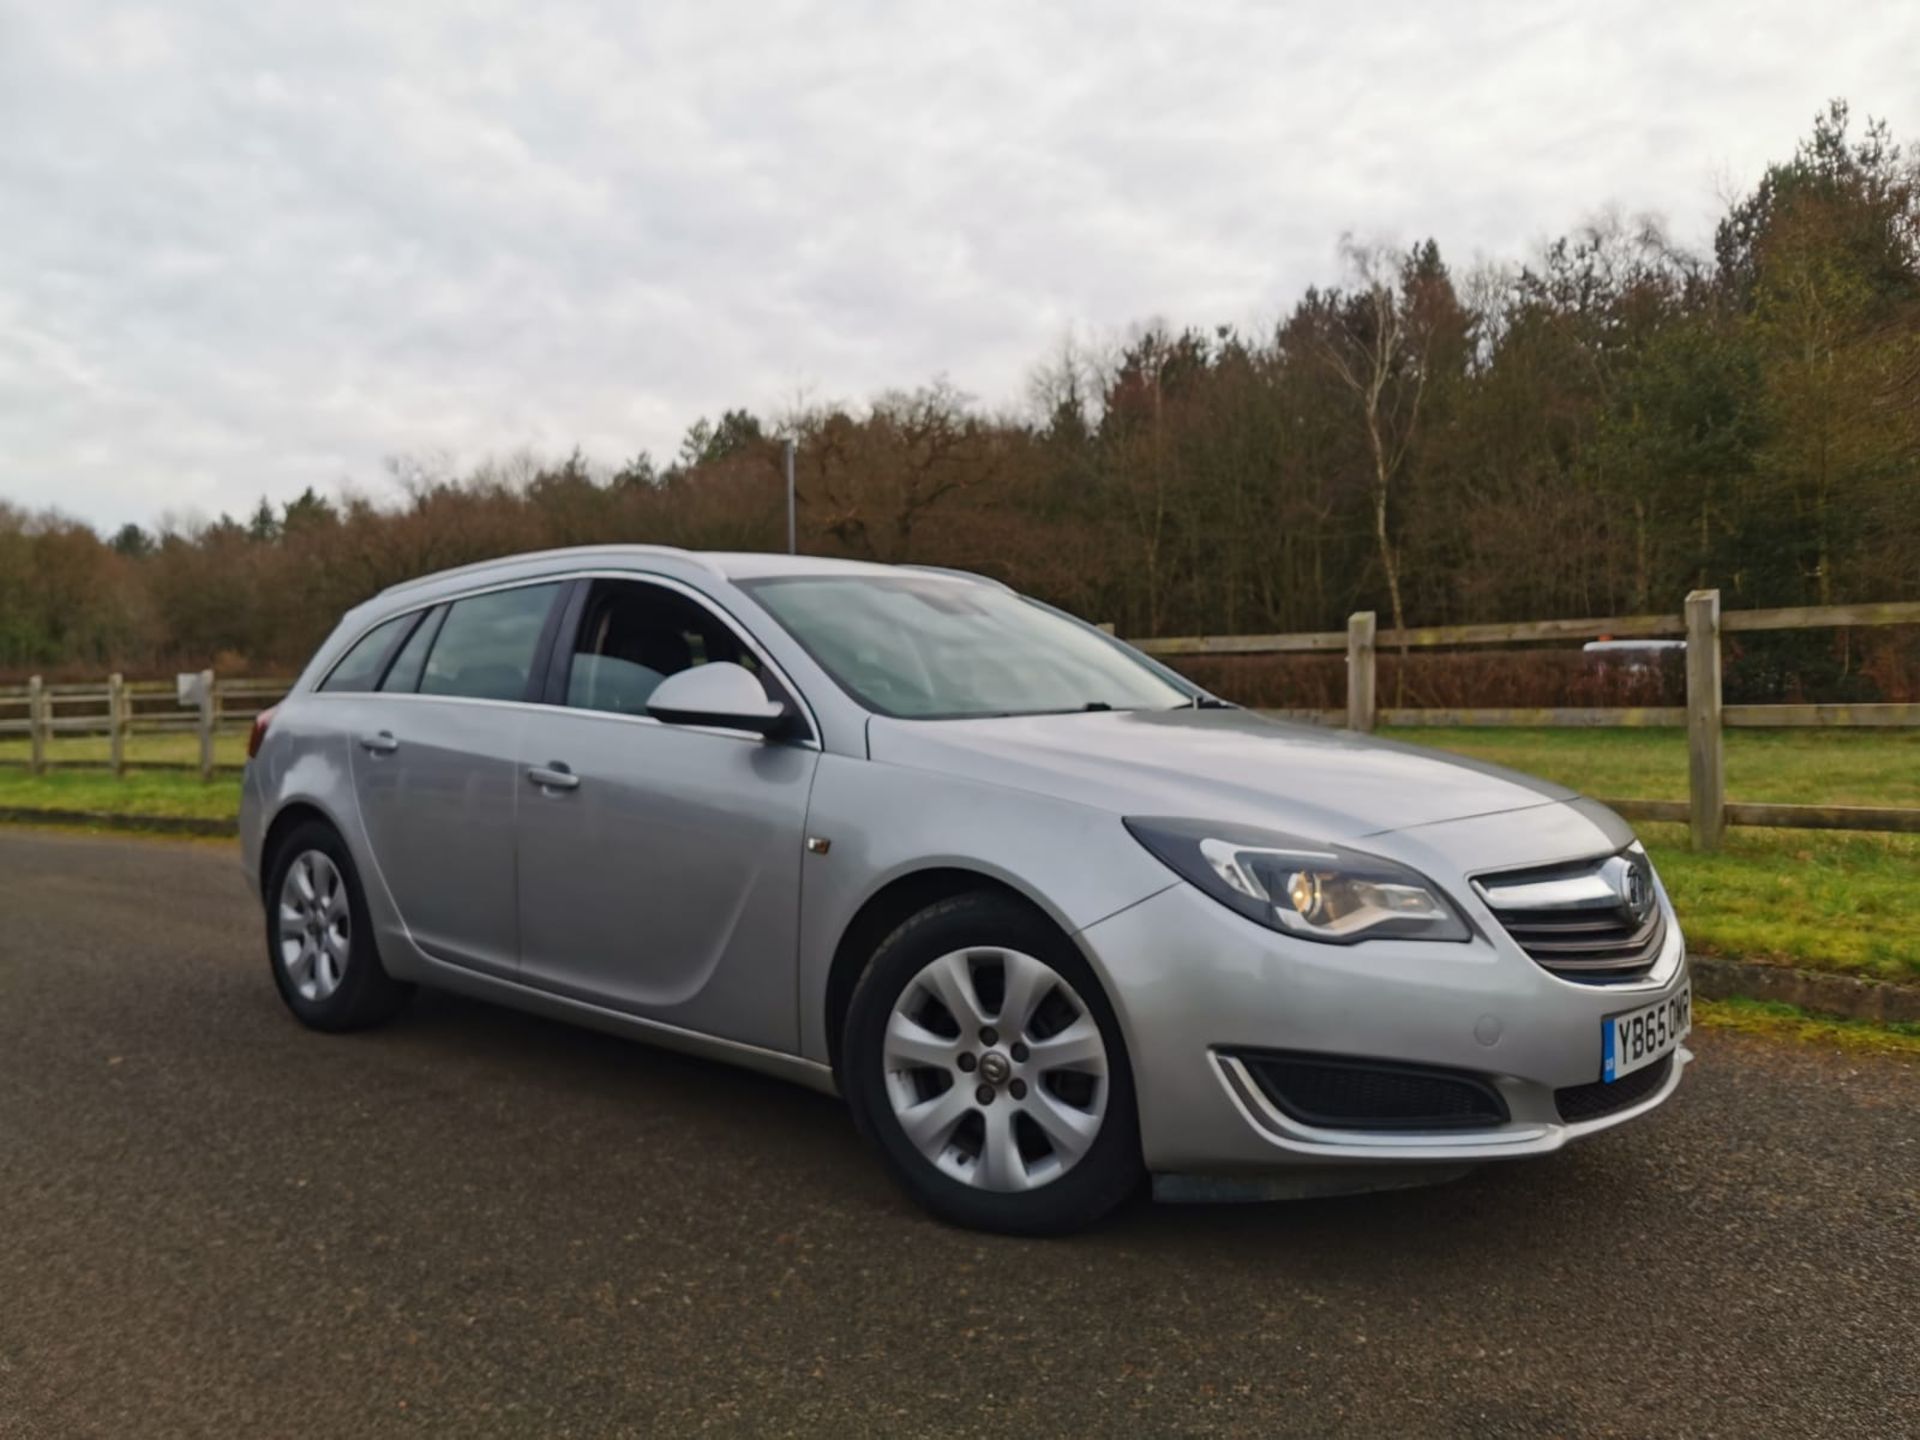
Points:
x=1591, y=1101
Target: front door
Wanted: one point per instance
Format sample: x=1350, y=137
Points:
x=659, y=865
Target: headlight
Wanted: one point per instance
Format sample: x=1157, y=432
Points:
x=1315, y=891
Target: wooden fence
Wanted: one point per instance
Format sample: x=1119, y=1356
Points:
x=120, y=709
x=1707, y=811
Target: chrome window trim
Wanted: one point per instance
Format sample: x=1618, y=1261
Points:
x=811, y=740
x=420, y=609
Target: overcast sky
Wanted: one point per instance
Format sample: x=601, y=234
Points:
x=247, y=246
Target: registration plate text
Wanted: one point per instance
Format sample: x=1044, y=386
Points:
x=1634, y=1039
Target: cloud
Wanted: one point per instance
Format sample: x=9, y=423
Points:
x=250, y=247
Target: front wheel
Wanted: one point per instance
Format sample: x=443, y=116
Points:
x=984, y=1058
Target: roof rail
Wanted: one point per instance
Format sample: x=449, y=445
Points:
x=577, y=552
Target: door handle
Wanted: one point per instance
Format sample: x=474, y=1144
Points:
x=379, y=743
x=554, y=777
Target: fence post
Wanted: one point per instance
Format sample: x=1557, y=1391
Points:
x=1360, y=666
x=209, y=716
x=37, y=724
x=116, y=724
x=1706, y=759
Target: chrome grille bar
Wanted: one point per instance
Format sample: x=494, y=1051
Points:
x=1595, y=921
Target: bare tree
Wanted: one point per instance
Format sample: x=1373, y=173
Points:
x=1380, y=356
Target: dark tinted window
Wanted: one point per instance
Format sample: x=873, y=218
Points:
x=633, y=635
x=359, y=668
x=485, y=646
x=404, y=674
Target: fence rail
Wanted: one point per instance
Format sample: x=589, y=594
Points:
x=1619, y=627
x=1706, y=811
x=120, y=709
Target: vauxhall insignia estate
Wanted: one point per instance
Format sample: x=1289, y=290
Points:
x=1052, y=919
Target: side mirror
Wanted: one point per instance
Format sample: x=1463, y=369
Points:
x=720, y=693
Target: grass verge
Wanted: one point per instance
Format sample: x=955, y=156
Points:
x=1821, y=900
x=1772, y=1019
x=1844, y=902
x=143, y=793
x=1785, y=767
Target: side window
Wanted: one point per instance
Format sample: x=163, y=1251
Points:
x=632, y=636
x=403, y=676
x=485, y=647
x=359, y=668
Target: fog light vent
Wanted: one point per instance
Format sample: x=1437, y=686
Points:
x=1338, y=1093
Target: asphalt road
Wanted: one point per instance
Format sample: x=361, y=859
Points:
x=473, y=1222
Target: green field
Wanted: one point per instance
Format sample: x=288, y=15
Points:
x=1792, y=767
x=167, y=748
x=1818, y=899
x=142, y=793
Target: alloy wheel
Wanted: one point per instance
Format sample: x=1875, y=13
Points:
x=995, y=1069
x=315, y=925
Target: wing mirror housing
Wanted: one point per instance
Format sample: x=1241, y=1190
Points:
x=719, y=693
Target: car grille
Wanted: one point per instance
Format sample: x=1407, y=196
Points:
x=1338, y=1093
x=1575, y=921
x=1591, y=1101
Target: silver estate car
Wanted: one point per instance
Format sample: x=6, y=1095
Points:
x=1050, y=918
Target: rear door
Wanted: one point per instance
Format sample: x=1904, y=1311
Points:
x=435, y=768
x=659, y=864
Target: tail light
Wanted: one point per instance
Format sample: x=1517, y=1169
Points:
x=259, y=731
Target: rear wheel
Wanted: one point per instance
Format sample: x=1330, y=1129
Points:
x=319, y=940
x=983, y=1057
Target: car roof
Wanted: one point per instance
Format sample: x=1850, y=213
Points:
x=727, y=565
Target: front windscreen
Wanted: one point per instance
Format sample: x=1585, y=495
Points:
x=935, y=647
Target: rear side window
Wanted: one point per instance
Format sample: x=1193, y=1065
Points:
x=485, y=647
x=403, y=676
x=360, y=667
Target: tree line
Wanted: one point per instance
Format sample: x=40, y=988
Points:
x=1593, y=432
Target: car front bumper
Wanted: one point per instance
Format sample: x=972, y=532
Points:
x=1197, y=986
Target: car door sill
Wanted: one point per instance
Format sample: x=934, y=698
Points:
x=481, y=986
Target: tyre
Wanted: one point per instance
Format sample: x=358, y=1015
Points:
x=983, y=1058
x=319, y=941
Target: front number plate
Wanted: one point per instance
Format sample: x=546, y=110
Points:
x=1634, y=1039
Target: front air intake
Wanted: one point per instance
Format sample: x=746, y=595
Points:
x=1597, y=1098
x=1338, y=1093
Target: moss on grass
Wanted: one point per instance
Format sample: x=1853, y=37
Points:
x=1774, y=1019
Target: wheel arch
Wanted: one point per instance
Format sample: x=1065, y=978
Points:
x=890, y=907
x=291, y=815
